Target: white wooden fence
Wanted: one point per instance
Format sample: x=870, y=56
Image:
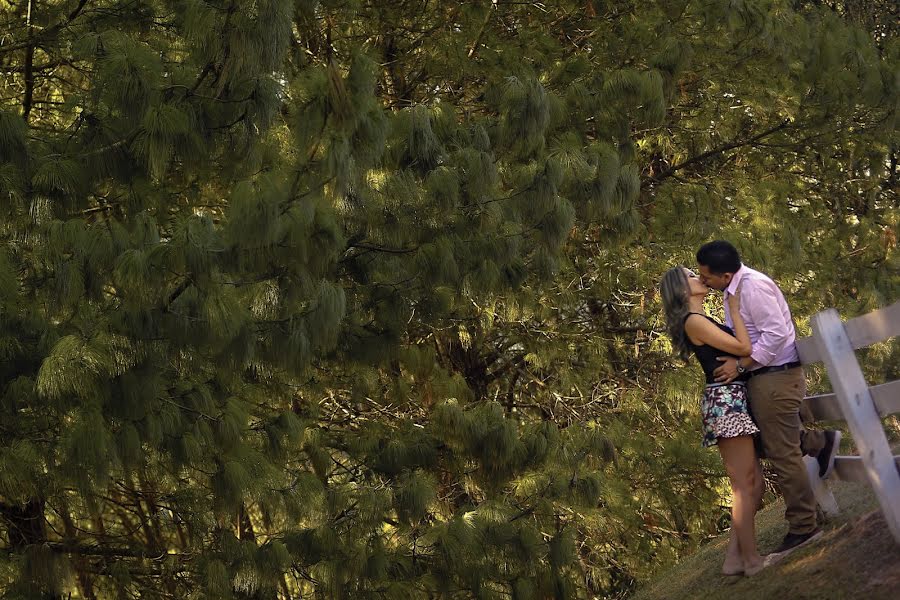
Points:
x=861, y=406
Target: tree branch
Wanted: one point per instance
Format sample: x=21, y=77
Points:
x=99, y=550
x=28, y=97
x=46, y=32
x=374, y=248
x=715, y=151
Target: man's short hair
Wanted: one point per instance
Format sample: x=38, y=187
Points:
x=720, y=257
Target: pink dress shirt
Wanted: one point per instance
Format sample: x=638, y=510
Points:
x=767, y=317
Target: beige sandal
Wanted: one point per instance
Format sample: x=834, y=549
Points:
x=732, y=572
x=730, y=568
x=767, y=561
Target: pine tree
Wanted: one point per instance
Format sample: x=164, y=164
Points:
x=352, y=299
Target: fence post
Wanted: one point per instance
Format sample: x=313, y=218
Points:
x=852, y=393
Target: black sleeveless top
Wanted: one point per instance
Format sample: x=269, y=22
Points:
x=707, y=355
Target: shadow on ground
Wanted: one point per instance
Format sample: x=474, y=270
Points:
x=857, y=558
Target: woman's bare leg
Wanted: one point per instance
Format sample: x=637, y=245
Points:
x=759, y=487
x=733, y=564
x=741, y=464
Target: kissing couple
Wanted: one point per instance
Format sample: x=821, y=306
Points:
x=753, y=400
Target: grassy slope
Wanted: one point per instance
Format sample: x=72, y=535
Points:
x=857, y=558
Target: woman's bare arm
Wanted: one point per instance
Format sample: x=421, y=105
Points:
x=701, y=330
x=740, y=328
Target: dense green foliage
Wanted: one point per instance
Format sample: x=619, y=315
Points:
x=355, y=299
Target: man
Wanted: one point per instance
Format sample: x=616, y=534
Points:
x=777, y=385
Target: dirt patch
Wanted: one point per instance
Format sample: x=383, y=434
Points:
x=856, y=559
x=868, y=548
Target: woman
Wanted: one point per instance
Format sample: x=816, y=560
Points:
x=726, y=418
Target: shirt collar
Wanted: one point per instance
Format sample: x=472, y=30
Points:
x=736, y=281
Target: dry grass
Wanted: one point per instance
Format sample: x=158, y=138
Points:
x=857, y=558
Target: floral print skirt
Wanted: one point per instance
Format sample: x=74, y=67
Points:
x=725, y=413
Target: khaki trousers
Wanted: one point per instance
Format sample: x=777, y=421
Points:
x=776, y=403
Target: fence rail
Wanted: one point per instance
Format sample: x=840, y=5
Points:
x=861, y=406
x=885, y=396
x=871, y=328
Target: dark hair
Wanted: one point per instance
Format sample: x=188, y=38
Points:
x=676, y=293
x=720, y=257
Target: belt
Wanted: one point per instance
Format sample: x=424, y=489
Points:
x=720, y=384
x=784, y=367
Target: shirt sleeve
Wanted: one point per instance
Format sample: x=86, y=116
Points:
x=761, y=301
